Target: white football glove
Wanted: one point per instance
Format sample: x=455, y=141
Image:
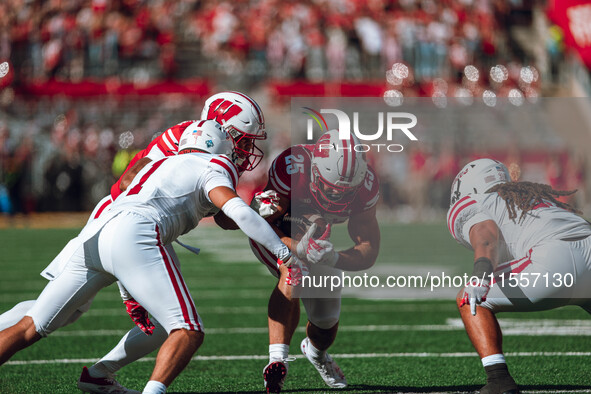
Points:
x=475, y=293
x=322, y=252
x=317, y=251
x=302, y=247
x=265, y=203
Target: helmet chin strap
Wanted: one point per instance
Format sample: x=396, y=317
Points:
x=239, y=161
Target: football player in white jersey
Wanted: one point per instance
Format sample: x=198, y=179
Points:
x=242, y=117
x=332, y=181
x=166, y=199
x=531, y=252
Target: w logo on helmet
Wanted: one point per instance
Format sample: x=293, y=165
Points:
x=222, y=110
x=323, y=146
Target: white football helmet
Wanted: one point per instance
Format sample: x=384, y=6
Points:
x=477, y=177
x=207, y=136
x=243, y=119
x=337, y=171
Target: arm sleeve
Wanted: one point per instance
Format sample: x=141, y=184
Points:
x=255, y=227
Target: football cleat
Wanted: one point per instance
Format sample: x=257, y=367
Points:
x=274, y=375
x=494, y=389
x=500, y=386
x=499, y=381
x=107, y=385
x=327, y=368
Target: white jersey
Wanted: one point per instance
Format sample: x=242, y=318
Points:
x=544, y=222
x=174, y=191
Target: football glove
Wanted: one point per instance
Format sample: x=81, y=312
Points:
x=317, y=251
x=302, y=246
x=475, y=293
x=139, y=316
x=322, y=252
x=265, y=203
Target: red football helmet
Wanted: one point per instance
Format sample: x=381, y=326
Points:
x=243, y=119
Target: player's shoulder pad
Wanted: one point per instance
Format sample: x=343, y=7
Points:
x=459, y=213
x=225, y=166
x=294, y=150
x=289, y=162
x=370, y=189
x=169, y=140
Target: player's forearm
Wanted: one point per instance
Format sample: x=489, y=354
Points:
x=225, y=222
x=290, y=243
x=128, y=176
x=358, y=258
x=255, y=227
x=484, y=238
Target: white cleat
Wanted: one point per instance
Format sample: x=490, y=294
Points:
x=327, y=368
x=274, y=375
x=107, y=385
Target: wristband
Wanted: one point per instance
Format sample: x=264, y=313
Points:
x=483, y=267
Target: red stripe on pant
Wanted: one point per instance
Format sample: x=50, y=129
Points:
x=270, y=264
x=508, y=264
x=172, y=269
x=523, y=265
x=191, y=303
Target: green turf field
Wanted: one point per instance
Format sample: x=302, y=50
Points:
x=385, y=345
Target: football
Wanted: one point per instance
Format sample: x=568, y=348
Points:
x=296, y=226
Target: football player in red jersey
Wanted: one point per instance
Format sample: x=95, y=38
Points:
x=531, y=253
x=243, y=119
x=334, y=182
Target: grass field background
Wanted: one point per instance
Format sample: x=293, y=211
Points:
x=384, y=345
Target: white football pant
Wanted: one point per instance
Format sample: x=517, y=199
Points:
x=552, y=265
x=127, y=249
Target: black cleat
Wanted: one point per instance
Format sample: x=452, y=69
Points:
x=274, y=375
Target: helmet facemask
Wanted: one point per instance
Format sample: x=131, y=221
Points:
x=332, y=198
x=246, y=154
x=337, y=171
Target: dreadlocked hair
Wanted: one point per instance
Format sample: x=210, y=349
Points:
x=526, y=195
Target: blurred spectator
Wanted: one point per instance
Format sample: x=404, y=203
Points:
x=58, y=152
x=311, y=39
x=5, y=166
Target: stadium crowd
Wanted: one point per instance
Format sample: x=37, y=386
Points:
x=252, y=40
x=62, y=153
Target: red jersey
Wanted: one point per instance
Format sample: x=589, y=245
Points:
x=166, y=144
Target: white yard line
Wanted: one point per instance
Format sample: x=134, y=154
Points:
x=337, y=356
x=510, y=328
x=255, y=310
